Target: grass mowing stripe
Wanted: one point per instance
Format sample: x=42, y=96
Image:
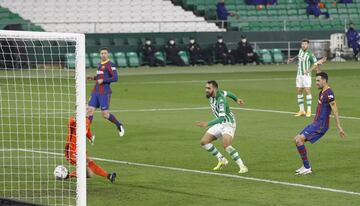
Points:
x=189, y=108
x=202, y=172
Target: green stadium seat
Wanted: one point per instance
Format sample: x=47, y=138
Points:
x=120, y=59
x=160, y=55
x=70, y=60
x=94, y=59
x=87, y=61
x=183, y=55
x=265, y=56
x=133, y=59
x=277, y=56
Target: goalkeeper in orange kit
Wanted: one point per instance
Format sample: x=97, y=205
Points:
x=70, y=152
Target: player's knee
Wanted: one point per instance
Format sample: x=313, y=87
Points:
x=105, y=114
x=298, y=140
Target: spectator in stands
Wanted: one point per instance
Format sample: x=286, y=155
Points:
x=222, y=53
x=353, y=39
x=223, y=13
x=172, y=53
x=246, y=53
x=314, y=9
x=148, y=51
x=196, y=53
x=345, y=1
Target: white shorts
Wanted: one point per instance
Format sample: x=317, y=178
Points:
x=219, y=130
x=303, y=81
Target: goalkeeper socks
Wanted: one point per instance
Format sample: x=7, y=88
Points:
x=96, y=169
x=113, y=119
x=308, y=102
x=212, y=149
x=300, y=100
x=302, y=151
x=234, y=155
x=91, y=118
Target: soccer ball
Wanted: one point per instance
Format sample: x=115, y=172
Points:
x=60, y=172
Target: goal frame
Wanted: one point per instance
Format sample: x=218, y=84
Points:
x=80, y=79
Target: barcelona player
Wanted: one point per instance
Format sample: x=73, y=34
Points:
x=101, y=93
x=320, y=125
x=70, y=152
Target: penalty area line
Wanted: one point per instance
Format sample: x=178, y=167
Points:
x=275, y=182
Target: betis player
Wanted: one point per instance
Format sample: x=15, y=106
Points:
x=70, y=152
x=101, y=93
x=314, y=131
x=306, y=59
x=222, y=127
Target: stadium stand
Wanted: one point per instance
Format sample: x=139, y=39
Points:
x=111, y=16
x=10, y=18
x=286, y=15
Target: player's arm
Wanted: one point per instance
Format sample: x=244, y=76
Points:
x=113, y=75
x=234, y=97
x=217, y=120
x=292, y=59
x=316, y=66
x=337, y=119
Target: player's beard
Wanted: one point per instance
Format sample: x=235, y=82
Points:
x=208, y=95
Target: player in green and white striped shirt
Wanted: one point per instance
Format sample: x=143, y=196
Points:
x=223, y=126
x=306, y=59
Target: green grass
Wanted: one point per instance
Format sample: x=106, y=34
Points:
x=170, y=138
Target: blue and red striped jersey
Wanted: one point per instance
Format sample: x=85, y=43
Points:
x=106, y=71
x=323, y=110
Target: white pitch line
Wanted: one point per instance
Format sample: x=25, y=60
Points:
x=181, y=109
x=204, y=81
x=206, y=108
x=207, y=173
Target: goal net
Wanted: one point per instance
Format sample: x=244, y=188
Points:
x=42, y=85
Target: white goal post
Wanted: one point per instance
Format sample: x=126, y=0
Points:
x=38, y=93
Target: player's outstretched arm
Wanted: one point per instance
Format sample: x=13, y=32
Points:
x=316, y=66
x=211, y=123
x=235, y=98
x=291, y=59
x=337, y=119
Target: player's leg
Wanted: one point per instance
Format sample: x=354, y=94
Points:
x=300, y=97
x=300, y=140
x=100, y=171
x=206, y=143
x=227, y=143
x=308, y=99
x=92, y=105
x=104, y=106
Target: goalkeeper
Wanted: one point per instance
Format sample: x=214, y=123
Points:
x=70, y=152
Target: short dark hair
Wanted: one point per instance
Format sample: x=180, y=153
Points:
x=305, y=40
x=104, y=48
x=213, y=82
x=323, y=75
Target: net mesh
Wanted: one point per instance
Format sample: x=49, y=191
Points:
x=37, y=97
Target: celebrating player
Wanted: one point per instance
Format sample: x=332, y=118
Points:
x=223, y=126
x=70, y=152
x=101, y=93
x=317, y=129
x=303, y=79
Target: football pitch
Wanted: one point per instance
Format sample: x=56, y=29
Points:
x=159, y=161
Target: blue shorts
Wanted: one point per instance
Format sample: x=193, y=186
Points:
x=101, y=101
x=313, y=132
